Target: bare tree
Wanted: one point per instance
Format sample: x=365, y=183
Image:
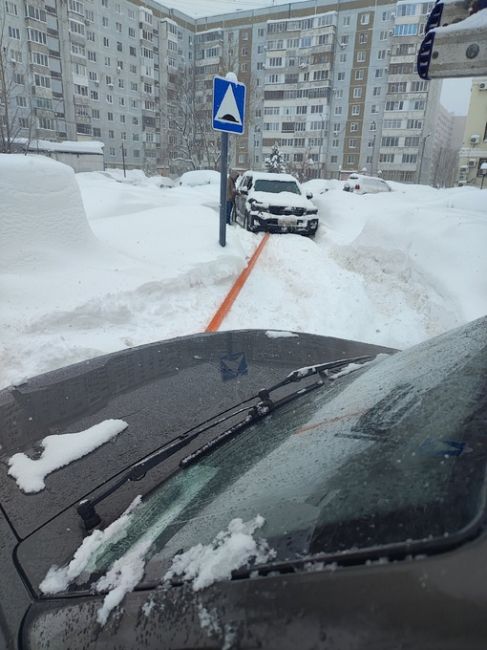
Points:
x=11, y=122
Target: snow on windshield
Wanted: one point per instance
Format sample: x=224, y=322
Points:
x=59, y=451
x=230, y=550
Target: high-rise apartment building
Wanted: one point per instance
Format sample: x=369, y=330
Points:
x=333, y=84
x=473, y=153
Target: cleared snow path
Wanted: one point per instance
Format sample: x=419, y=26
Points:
x=392, y=268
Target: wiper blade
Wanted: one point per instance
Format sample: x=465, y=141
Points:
x=86, y=508
x=267, y=405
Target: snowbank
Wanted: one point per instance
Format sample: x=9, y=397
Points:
x=41, y=212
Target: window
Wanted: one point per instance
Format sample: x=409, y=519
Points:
x=36, y=35
x=364, y=19
x=94, y=95
x=76, y=28
x=361, y=56
x=353, y=143
x=384, y=35
x=409, y=158
x=379, y=73
x=392, y=124
x=419, y=105
x=338, y=110
x=419, y=86
x=355, y=109
x=346, y=20
x=381, y=54
x=11, y=8
x=389, y=141
x=46, y=123
x=395, y=106
x=81, y=90
x=90, y=36
x=409, y=29
x=363, y=38
x=340, y=76
x=345, y=39
x=386, y=158
x=275, y=62
x=21, y=101
x=411, y=141
x=373, y=126
x=36, y=13
x=110, y=117
x=104, y=21
x=108, y=61
x=108, y=80
x=95, y=113
x=343, y=57
x=43, y=81
x=414, y=124
x=399, y=87
x=106, y=42
x=354, y=126
x=406, y=10
x=14, y=32
x=19, y=78
x=359, y=74
x=40, y=59
x=109, y=99
x=357, y=92
x=132, y=51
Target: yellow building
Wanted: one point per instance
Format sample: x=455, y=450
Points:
x=474, y=150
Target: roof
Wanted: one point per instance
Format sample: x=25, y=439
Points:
x=66, y=146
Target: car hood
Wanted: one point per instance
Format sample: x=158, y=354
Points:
x=160, y=390
x=282, y=200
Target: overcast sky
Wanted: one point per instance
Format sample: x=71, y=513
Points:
x=455, y=93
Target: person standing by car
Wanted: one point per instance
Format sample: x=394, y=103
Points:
x=231, y=192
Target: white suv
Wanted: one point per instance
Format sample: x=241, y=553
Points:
x=360, y=184
x=276, y=203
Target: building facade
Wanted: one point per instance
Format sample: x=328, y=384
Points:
x=334, y=85
x=474, y=150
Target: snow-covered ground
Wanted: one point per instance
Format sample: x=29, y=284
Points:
x=94, y=263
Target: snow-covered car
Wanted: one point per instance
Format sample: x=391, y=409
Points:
x=274, y=203
x=344, y=502
x=360, y=184
x=198, y=177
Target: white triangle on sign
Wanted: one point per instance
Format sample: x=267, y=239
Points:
x=228, y=110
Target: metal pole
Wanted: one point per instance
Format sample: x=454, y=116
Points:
x=422, y=156
x=223, y=188
x=482, y=182
x=123, y=161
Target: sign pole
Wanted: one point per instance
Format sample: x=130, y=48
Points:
x=223, y=188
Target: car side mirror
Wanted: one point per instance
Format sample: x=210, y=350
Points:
x=243, y=190
x=309, y=195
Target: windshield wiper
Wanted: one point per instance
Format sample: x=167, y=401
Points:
x=266, y=405
x=86, y=508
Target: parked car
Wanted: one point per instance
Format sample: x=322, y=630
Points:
x=360, y=184
x=274, y=203
x=343, y=506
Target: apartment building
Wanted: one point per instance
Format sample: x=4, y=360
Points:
x=474, y=150
x=333, y=85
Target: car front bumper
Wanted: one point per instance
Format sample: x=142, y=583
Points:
x=301, y=224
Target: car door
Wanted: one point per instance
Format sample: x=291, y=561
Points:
x=241, y=198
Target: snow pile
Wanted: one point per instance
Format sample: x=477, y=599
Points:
x=65, y=146
x=200, y=177
x=59, y=451
x=319, y=185
x=230, y=550
x=42, y=218
x=58, y=579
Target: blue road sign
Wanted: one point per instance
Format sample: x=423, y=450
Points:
x=228, y=105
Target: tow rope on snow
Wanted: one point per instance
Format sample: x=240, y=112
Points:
x=231, y=296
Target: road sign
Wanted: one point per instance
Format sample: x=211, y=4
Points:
x=228, y=105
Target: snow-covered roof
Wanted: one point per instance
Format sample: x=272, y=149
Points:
x=272, y=176
x=66, y=146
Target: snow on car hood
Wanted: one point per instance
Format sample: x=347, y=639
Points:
x=282, y=199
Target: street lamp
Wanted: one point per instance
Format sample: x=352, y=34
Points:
x=339, y=172
x=483, y=171
x=422, y=155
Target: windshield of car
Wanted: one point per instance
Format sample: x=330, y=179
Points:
x=390, y=453
x=275, y=186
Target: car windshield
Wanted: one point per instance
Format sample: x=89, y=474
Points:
x=393, y=452
x=275, y=186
